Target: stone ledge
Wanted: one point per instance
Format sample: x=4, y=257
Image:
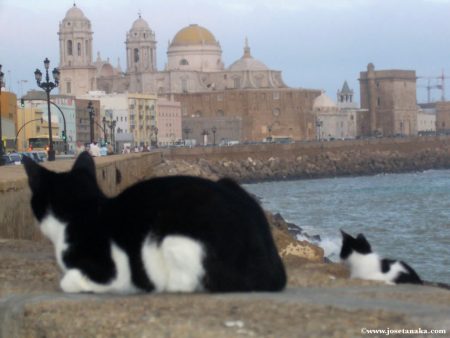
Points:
x=319, y=301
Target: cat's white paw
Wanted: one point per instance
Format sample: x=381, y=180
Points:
x=74, y=282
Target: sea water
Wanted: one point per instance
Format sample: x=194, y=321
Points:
x=404, y=216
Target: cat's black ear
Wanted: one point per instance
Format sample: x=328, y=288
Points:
x=34, y=172
x=85, y=162
x=345, y=235
x=363, y=244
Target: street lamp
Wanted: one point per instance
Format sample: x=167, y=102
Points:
x=104, y=129
x=319, y=124
x=214, y=129
x=47, y=86
x=112, y=128
x=1, y=136
x=90, y=110
x=154, y=130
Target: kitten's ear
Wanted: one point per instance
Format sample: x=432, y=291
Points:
x=34, y=172
x=85, y=162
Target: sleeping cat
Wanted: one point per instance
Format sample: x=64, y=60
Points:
x=168, y=234
x=365, y=264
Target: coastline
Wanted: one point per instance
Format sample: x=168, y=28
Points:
x=328, y=164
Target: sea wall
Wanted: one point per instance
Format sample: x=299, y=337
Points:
x=311, y=159
x=243, y=163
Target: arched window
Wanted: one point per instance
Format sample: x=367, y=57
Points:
x=79, y=48
x=184, y=62
x=69, y=47
x=136, y=55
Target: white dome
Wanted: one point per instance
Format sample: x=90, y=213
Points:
x=75, y=13
x=247, y=62
x=140, y=24
x=323, y=101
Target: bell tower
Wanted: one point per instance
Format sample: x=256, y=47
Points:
x=75, y=53
x=141, y=48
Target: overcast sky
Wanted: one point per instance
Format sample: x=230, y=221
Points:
x=315, y=43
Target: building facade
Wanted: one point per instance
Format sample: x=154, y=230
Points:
x=390, y=98
x=263, y=112
x=8, y=109
x=333, y=122
x=168, y=121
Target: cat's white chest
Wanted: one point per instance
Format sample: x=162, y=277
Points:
x=55, y=230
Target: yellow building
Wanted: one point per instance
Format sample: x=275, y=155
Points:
x=142, y=118
x=8, y=115
x=32, y=122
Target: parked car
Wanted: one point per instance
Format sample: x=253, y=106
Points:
x=42, y=155
x=30, y=155
x=12, y=159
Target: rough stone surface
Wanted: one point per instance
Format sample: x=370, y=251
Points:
x=319, y=302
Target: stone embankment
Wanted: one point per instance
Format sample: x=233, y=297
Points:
x=323, y=164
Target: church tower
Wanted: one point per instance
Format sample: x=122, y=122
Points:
x=345, y=97
x=75, y=53
x=141, y=48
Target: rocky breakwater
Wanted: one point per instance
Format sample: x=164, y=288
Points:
x=351, y=162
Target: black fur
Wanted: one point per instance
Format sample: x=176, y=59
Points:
x=230, y=224
x=350, y=244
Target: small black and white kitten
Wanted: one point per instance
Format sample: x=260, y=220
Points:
x=168, y=234
x=365, y=264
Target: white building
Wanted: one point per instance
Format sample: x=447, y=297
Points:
x=194, y=62
x=333, y=122
x=426, y=121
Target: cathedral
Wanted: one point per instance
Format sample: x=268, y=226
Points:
x=194, y=74
x=194, y=62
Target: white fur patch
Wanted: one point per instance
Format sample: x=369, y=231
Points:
x=368, y=266
x=75, y=281
x=55, y=230
x=175, y=265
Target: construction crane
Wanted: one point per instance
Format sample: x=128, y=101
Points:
x=440, y=85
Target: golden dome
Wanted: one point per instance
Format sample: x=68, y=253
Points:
x=194, y=35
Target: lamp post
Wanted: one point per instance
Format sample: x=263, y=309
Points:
x=47, y=86
x=1, y=136
x=214, y=129
x=90, y=110
x=154, y=130
x=104, y=129
x=112, y=129
x=319, y=124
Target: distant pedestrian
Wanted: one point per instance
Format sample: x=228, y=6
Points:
x=79, y=149
x=94, y=149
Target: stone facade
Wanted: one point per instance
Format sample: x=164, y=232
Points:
x=443, y=117
x=212, y=130
x=390, y=97
x=168, y=121
x=264, y=112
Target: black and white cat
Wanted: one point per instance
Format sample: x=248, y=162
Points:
x=365, y=264
x=168, y=234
